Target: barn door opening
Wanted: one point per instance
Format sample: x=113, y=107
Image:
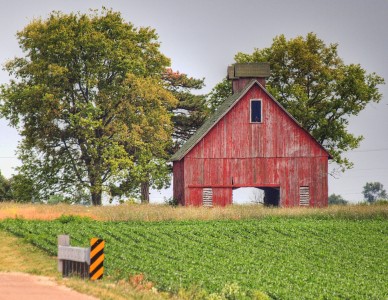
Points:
x=248, y=195
x=271, y=196
x=260, y=195
x=267, y=196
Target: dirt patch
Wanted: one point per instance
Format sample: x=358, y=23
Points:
x=21, y=286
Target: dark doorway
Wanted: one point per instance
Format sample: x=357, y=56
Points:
x=271, y=196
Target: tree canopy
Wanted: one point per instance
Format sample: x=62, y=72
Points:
x=374, y=191
x=5, y=189
x=89, y=101
x=337, y=200
x=314, y=84
x=187, y=116
x=191, y=110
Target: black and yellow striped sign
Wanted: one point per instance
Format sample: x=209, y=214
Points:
x=96, y=269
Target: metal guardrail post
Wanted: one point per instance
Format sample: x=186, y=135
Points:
x=72, y=260
x=63, y=240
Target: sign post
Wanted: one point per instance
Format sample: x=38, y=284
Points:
x=96, y=258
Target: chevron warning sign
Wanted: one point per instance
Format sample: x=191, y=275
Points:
x=96, y=269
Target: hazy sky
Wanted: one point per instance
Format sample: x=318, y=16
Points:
x=202, y=37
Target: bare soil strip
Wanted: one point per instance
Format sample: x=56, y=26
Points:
x=20, y=286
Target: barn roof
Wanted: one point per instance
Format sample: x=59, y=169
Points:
x=221, y=111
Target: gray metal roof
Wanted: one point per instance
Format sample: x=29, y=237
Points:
x=221, y=111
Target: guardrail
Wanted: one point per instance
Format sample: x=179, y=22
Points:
x=83, y=262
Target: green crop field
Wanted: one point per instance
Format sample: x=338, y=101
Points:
x=286, y=258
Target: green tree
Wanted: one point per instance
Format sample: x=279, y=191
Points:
x=191, y=110
x=314, y=84
x=188, y=115
x=374, y=191
x=89, y=100
x=337, y=200
x=5, y=189
x=219, y=93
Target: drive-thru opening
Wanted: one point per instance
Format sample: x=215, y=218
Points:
x=268, y=196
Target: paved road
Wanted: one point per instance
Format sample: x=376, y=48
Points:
x=20, y=286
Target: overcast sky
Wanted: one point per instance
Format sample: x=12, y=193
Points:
x=201, y=38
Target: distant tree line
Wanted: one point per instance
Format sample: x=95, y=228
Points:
x=372, y=191
x=337, y=200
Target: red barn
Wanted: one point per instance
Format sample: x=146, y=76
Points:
x=251, y=141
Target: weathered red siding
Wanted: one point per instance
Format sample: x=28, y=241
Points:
x=237, y=153
x=178, y=181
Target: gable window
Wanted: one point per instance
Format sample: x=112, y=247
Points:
x=256, y=111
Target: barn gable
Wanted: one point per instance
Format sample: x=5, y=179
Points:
x=223, y=109
x=209, y=123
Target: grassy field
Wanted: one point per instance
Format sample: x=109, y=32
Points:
x=333, y=253
x=17, y=255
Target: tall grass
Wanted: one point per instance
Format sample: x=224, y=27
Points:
x=136, y=212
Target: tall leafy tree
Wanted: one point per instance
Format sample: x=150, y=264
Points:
x=374, y=191
x=187, y=116
x=314, y=84
x=5, y=189
x=191, y=110
x=89, y=100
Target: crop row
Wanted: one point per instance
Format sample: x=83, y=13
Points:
x=286, y=258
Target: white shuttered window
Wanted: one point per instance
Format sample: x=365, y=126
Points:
x=207, y=197
x=304, y=196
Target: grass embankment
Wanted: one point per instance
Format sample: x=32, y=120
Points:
x=330, y=253
x=135, y=212
x=17, y=255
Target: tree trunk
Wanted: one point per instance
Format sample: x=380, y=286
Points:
x=96, y=198
x=145, y=192
x=95, y=184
